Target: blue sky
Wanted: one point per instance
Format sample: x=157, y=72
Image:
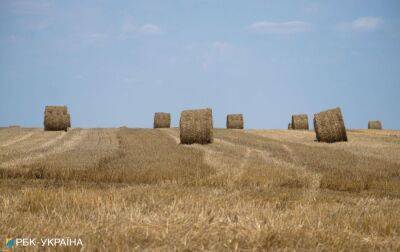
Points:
x=117, y=62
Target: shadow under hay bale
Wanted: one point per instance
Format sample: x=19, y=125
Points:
x=375, y=125
x=56, y=118
x=329, y=126
x=300, y=122
x=234, y=121
x=196, y=126
x=162, y=120
x=289, y=127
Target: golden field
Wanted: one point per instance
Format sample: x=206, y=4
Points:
x=139, y=189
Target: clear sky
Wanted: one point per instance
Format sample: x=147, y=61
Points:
x=115, y=63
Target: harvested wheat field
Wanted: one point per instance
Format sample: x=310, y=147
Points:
x=134, y=189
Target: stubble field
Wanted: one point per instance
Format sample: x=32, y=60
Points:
x=251, y=189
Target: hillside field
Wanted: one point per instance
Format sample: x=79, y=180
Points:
x=123, y=189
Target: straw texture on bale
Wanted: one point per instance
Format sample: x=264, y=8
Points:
x=56, y=109
x=234, y=121
x=196, y=126
x=289, y=127
x=375, y=125
x=162, y=120
x=329, y=126
x=299, y=122
x=56, y=118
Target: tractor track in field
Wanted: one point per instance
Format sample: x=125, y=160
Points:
x=315, y=178
x=17, y=139
x=210, y=159
x=63, y=147
x=216, y=159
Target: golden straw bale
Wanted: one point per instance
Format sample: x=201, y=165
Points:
x=329, y=126
x=234, y=121
x=162, y=120
x=196, y=126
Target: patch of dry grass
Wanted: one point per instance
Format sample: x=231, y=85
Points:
x=126, y=189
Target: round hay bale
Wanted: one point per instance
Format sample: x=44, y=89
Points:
x=196, y=126
x=162, y=120
x=289, y=127
x=300, y=122
x=375, y=125
x=329, y=126
x=56, y=118
x=234, y=121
